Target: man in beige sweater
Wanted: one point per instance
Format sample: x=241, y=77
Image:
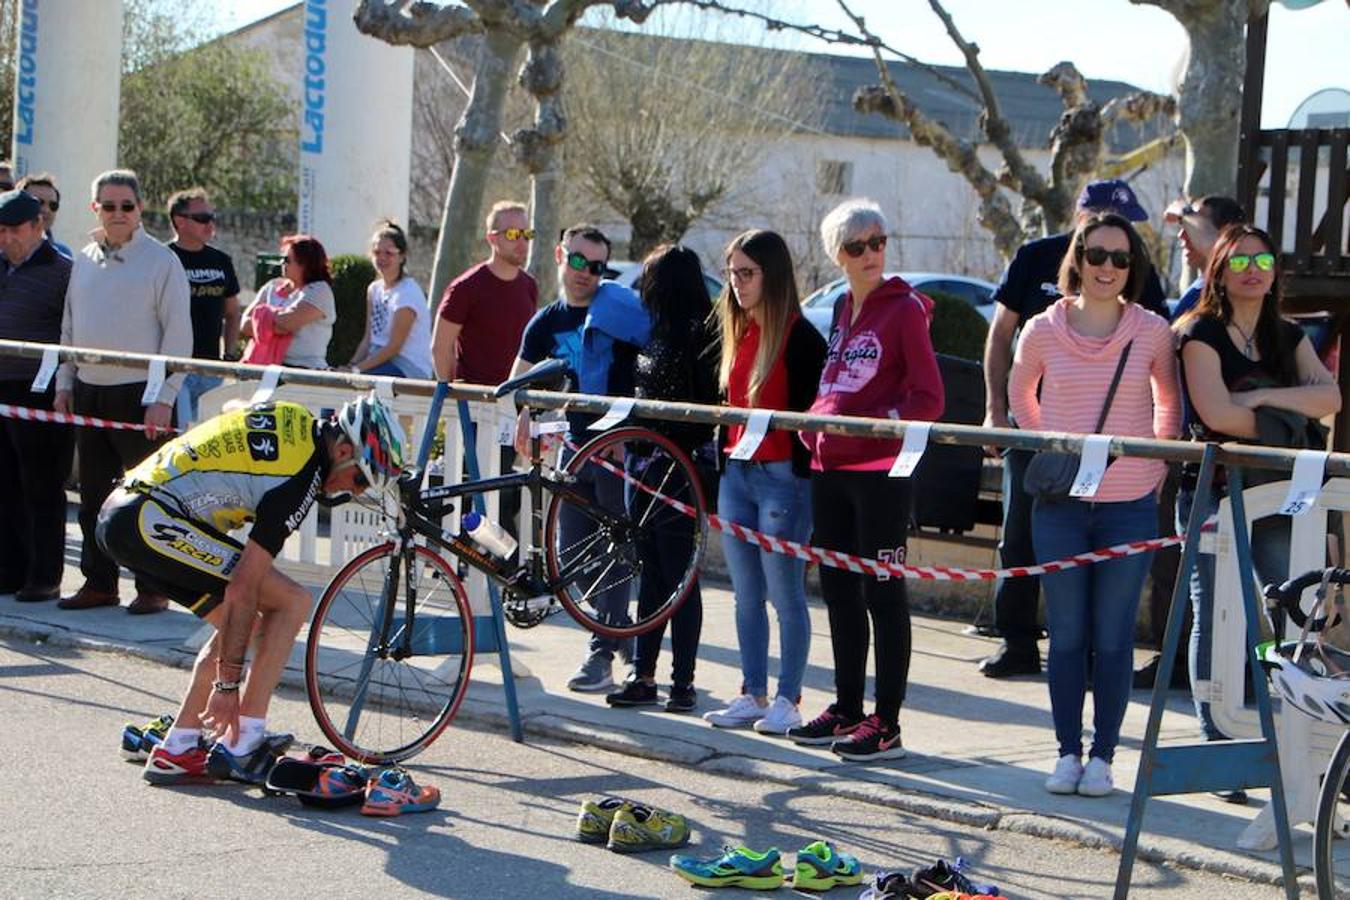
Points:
x=127, y=292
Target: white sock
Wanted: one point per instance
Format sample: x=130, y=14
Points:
x=249, y=737
x=180, y=740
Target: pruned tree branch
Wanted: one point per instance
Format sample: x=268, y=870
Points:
x=418, y=24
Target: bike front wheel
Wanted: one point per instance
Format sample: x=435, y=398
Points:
x=383, y=685
x=1333, y=823
x=624, y=541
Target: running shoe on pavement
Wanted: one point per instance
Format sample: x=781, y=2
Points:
x=944, y=876
x=873, y=739
x=824, y=729
x=739, y=713
x=594, y=675
x=890, y=886
x=188, y=767
x=597, y=816
x=638, y=828
x=683, y=698
x=781, y=717
x=736, y=867
x=249, y=768
x=139, y=740
x=635, y=692
x=821, y=867
x=394, y=793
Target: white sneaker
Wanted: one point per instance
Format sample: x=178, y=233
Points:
x=1096, y=780
x=1068, y=773
x=738, y=713
x=782, y=715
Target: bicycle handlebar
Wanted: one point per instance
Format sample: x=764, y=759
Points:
x=1286, y=596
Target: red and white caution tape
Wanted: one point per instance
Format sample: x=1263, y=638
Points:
x=46, y=415
x=866, y=566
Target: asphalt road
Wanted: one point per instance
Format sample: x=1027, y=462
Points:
x=79, y=822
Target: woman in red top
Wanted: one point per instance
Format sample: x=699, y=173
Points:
x=879, y=363
x=771, y=359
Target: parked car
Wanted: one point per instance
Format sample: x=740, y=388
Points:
x=818, y=307
x=626, y=273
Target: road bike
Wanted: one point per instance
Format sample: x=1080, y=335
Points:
x=391, y=640
x=1314, y=676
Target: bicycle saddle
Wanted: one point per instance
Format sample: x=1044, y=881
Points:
x=549, y=373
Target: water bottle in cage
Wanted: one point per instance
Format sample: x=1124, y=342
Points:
x=489, y=535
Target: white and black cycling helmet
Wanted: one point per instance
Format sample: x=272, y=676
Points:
x=378, y=438
x=1318, y=683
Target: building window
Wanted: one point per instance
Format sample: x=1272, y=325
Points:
x=834, y=176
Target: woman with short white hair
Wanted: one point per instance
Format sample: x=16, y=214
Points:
x=879, y=363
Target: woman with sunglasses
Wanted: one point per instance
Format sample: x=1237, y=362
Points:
x=1239, y=356
x=397, y=341
x=1061, y=379
x=302, y=302
x=879, y=363
x=771, y=359
x=676, y=364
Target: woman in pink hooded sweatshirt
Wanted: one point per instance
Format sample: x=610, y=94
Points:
x=879, y=363
x=1069, y=353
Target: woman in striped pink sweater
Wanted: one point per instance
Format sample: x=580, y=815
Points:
x=1069, y=354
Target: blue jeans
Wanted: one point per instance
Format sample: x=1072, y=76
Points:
x=607, y=490
x=1092, y=605
x=1269, y=540
x=194, y=385
x=770, y=499
x=385, y=368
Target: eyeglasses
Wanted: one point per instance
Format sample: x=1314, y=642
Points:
x=53, y=205
x=201, y=218
x=742, y=274
x=579, y=263
x=876, y=242
x=1239, y=262
x=1097, y=256
x=515, y=234
x=109, y=206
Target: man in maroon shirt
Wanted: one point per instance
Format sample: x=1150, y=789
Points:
x=484, y=310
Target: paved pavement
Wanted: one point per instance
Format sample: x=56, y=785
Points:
x=979, y=749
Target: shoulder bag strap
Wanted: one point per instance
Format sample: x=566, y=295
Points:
x=1111, y=391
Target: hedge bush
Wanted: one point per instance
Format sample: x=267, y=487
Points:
x=352, y=274
x=958, y=328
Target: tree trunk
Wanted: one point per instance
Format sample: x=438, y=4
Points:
x=476, y=138
x=536, y=149
x=1210, y=95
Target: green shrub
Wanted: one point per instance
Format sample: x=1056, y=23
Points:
x=352, y=274
x=958, y=328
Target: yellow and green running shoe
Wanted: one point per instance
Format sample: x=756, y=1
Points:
x=139, y=740
x=821, y=867
x=736, y=867
x=638, y=828
x=596, y=817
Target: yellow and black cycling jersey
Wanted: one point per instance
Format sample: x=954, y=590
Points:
x=262, y=464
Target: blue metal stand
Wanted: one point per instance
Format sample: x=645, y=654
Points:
x=1214, y=765
x=489, y=631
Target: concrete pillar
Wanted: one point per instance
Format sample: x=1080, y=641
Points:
x=66, y=98
x=355, y=128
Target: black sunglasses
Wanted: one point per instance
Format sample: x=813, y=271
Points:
x=855, y=248
x=579, y=263
x=109, y=206
x=203, y=218
x=1097, y=256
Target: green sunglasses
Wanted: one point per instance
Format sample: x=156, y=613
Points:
x=1241, y=261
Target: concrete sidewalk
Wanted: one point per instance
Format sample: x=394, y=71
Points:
x=979, y=749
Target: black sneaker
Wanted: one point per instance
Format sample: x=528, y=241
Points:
x=873, y=739
x=1008, y=661
x=635, y=692
x=250, y=768
x=944, y=876
x=682, y=698
x=826, y=728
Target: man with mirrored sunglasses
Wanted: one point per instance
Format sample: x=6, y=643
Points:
x=1029, y=286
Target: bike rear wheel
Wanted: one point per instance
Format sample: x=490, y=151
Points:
x=375, y=696
x=1333, y=808
x=625, y=554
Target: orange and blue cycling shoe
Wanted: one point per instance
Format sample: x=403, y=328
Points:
x=394, y=793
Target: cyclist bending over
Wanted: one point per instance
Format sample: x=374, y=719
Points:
x=169, y=521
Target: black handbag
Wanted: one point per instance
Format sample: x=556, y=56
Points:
x=1050, y=474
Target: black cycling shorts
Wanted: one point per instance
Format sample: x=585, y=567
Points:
x=185, y=559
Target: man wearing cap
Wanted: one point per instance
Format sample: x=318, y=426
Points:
x=1029, y=286
x=35, y=456
x=127, y=292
